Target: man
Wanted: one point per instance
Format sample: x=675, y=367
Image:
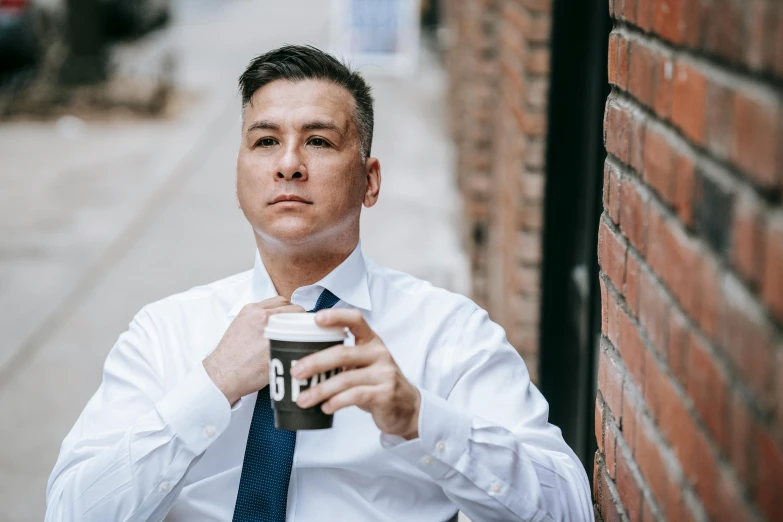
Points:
x=435, y=412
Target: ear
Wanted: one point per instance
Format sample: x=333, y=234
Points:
x=372, y=168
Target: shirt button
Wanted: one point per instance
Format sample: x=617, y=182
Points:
x=496, y=488
x=209, y=431
x=426, y=460
x=164, y=486
x=441, y=446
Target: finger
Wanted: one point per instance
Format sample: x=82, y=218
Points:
x=339, y=356
x=348, y=318
x=334, y=385
x=361, y=396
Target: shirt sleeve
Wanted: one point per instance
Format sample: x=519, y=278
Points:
x=486, y=440
x=127, y=455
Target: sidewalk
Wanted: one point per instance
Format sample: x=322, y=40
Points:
x=130, y=211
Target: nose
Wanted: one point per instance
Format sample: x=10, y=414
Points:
x=291, y=166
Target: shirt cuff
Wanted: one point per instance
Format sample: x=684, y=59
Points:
x=196, y=410
x=444, y=432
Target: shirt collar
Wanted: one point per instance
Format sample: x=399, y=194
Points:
x=348, y=282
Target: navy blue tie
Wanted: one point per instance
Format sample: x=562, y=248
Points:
x=269, y=455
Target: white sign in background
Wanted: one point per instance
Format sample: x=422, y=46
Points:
x=377, y=36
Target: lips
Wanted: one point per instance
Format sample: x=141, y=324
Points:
x=293, y=198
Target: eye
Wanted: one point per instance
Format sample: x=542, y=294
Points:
x=266, y=142
x=319, y=142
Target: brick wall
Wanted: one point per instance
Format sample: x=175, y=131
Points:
x=689, y=414
x=499, y=68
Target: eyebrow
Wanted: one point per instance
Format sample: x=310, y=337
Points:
x=310, y=125
x=264, y=125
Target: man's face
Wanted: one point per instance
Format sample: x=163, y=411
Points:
x=300, y=174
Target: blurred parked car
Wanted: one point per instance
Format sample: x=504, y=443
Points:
x=20, y=44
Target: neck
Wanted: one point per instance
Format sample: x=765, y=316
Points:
x=290, y=269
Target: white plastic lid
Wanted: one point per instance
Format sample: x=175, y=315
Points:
x=300, y=328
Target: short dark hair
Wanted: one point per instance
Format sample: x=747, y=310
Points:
x=305, y=62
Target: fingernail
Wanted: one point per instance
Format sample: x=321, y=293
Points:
x=325, y=409
x=303, y=400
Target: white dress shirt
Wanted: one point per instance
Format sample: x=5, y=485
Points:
x=159, y=441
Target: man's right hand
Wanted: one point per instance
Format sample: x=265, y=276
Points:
x=239, y=365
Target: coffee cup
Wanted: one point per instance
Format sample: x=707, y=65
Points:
x=293, y=337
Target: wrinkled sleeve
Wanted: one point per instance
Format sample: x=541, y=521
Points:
x=127, y=454
x=484, y=434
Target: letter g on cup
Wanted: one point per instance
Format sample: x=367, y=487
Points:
x=276, y=380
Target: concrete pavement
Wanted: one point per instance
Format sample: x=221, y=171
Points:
x=126, y=211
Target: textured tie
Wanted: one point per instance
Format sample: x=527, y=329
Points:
x=269, y=455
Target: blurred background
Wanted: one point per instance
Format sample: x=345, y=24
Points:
x=605, y=178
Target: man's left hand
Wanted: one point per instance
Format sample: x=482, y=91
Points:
x=370, y=378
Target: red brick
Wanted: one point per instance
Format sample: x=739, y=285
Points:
x=720, y=120
x=747, y=239
x=631, y=288
x=672, y=256
x=770, y=479
x=757, y=137
x=653, y=311
x=673, y=418
x=537, y=60
x=755, y=33
x=700, y=464
x=666, y=18
x=644, y=14
x=641, y=79
x=689, y=101
x=530, y=216
x=683, y=187
x=616, y=127
x=745, y=337
x=638, y=130
x=649, y=513
x=678, y=346
x=772, y=288
x=610, y=383
x=532, y=185
x=728, y=503
x=528, y=280
x=650, y=459
x=663, y=86
x=658, y=161
x=609, y=509
x=611, y=445
x=612, y=251
x=613, y=320
x=708, y=388
x=599, y=423
x=743, y=440
x=628, y=489
x=613, y=52
x=622, y=63
x=604, y=306
x=597, y=473
x=529, y=247
x=612, y=199
x=774, y=47
x=706, y=293
x=539, y=6
x=632, y=349
x=674, y=505
x=723, y=34
x=630, y=416
x=633, y=214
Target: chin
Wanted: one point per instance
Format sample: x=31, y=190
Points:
x=288, y=231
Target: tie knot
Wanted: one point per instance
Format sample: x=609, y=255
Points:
x=326, y=300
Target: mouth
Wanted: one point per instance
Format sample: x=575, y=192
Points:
x=291, y=199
